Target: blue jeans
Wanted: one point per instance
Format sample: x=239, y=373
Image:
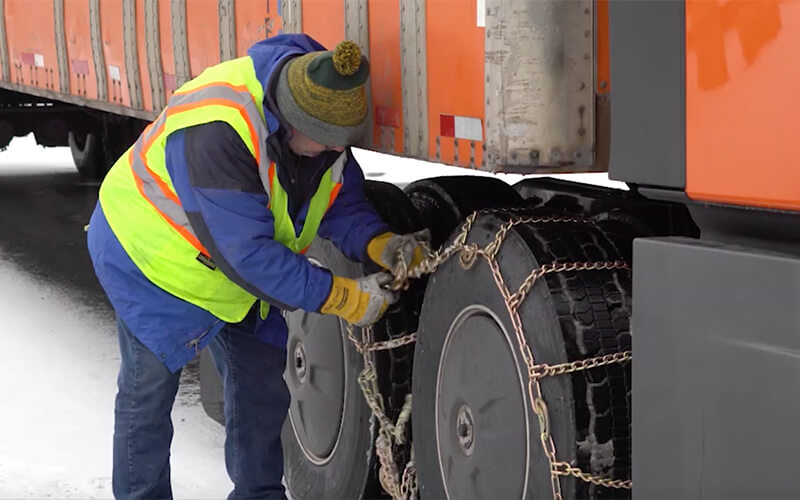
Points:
x=256, y=402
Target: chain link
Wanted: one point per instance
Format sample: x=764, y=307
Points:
x=565, y=469
x=541, y=371
x=391, y=435
x=384, y=345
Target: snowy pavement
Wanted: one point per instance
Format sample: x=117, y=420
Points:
x=58, y=363
x=59, y=369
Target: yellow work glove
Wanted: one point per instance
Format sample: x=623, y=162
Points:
x=362, y=301
x=388, y=248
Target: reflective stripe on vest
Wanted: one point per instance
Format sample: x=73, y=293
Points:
x=157, y=187
x=284, y=231
x=146, y=215
x=323, y=198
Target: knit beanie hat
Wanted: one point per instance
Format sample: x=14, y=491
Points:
x=322, y=94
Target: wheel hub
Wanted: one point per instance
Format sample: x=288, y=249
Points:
x=316, y=378
x=482, y=429
x=300, y=362
x=465, y=430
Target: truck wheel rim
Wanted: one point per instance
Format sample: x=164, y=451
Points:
x=482, y=427
x=316, y=378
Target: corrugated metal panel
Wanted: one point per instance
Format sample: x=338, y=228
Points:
x=180, y=44
x=292, y=13
x=539, y=84
x=97, y=50
x=356, y=28
x=131, y=54
x=227, y=30
x=153, y=46
x=6, y=70
x=61, y=46
x=414, y=77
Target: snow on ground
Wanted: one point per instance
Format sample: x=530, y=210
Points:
x=24, y=156
x=58, y=366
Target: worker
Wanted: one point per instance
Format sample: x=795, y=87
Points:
x=198, y=240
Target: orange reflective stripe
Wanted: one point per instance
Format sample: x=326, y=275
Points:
x=161, y=184
x=270, y=176
x=142, y=155
x=216, y=101
x=181, y=230
x=152, y=138
x=334, y=193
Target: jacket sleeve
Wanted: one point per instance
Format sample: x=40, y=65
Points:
x=351, y=222
x=216, y=179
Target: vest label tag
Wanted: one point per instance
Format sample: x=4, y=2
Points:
x=206, y=261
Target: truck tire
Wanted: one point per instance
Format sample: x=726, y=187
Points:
x=394, y=366
x=6, y=134
x=475, y=434
x=622, y=227
x=87, y=153
x=444, y=202
x=212, y=396
x=329, y=450
x=327, y=438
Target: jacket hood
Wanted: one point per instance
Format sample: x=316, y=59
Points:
x=268, y=55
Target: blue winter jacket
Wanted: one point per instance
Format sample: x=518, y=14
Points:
x=217, y=182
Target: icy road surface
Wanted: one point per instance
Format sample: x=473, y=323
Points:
x=58, y=349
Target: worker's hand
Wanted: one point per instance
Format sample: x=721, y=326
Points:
x=362, y=301
x=388, y=248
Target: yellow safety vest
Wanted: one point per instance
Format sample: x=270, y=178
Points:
x=146, y=215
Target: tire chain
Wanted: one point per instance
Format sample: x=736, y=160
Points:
x=404, y=487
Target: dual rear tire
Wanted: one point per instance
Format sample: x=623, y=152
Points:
x=474, y=432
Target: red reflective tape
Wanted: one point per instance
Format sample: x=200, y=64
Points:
x=80, y=66
x=27, y=58
x=447, y=125
x=170, y=82
x=387, y=117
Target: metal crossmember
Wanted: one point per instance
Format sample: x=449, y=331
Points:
x=392, y=435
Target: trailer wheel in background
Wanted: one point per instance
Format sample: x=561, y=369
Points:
x=6, y=134
x=212, y=396
x=475, y=434
x=444, y=202
x=87, y=153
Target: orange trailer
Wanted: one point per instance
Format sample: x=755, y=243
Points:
x=520, y=370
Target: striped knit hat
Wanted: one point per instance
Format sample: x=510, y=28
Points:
x=322, y=94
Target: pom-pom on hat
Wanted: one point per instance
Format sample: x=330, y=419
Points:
x=322, y=94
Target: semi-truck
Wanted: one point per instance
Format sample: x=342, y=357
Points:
x=561, y=340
